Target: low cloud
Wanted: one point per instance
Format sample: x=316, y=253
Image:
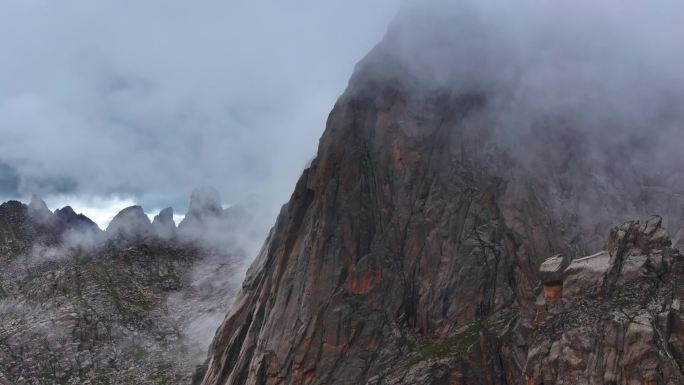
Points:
x=147, y=100
x=583, y=95
x=74, y=242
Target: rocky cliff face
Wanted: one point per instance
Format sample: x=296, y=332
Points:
x=410, y=250
x=125, y=306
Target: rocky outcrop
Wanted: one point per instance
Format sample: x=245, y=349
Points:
x=409, y=252
x=619, y=319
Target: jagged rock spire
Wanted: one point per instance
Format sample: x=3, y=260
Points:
x=205, y=212
x=39, y=211
x=205, y=200
x=163, y=223
x=130, y=222
x=37, y=204
x=74, y=220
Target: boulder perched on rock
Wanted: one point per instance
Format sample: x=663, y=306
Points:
x=552, y=274
x=552, y=270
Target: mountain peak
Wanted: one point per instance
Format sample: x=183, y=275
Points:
x=39, y=211
x=205, y=201
x=165, y=215
x=130, y=222
x=423, y=214
x=74, y=220
x=38, y=204
x=204, y=211
x=66, y=211
x=163, y=223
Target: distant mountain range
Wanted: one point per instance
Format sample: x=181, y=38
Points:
x=137, y=303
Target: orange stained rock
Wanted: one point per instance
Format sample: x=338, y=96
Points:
x=304, y=376
x=397, y=141
x=416, y=244
x=350, y=178
x=309, y=376
x=487, y=196
x=382, y=120
x=455, y=378
x=361, y=283
x=553, y=291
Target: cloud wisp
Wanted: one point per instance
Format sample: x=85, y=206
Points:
x=148, y=100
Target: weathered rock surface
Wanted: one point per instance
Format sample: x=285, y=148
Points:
x=409, y=252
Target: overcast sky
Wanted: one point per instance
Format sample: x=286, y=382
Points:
x=108, y=103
